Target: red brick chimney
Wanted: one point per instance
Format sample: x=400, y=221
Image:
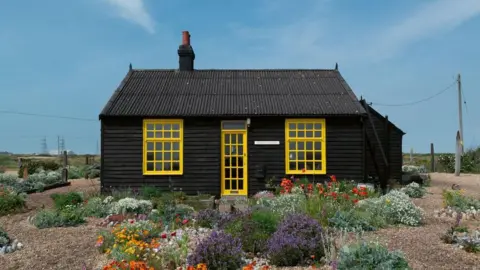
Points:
x=186, y=56
x=185, y=38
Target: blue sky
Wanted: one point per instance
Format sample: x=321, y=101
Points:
x=65, y=58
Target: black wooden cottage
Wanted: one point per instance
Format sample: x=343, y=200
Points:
x=225, y=132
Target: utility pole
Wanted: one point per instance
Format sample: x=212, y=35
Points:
x=460, y=118
x=58, y=145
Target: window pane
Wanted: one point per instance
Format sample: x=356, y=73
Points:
x=234, y=138
x=158, y=156
x=234, y=184
x=310, y=166
x=240, y=150
x=150, y=134
x=318, y=165
x=167, y=166
x=292, y=156
x=301, y=126
x=167, y=127
x=167, y=156
x=309, y=126
x=301, y=146
x=150, y=126
x=292, y=166
x=309, y=134
x=317, y=134
x=301, y=134
x=158, y=166
x=167, y=146
x=318, y=126
x=318, y=146
x=309, y=146
x=167, y=134
x=150, y=146
x=309, y=155
x=318, y=156
x=291, y=134
x=175, y=127
x=227, y=138
x=158, y=146
x=234, y=173
x=176, y=134
x=227, y=172
x=240, y=174
x=150, y=156
x=176, y=146
x=158, y=134
x=291, y=146
x=233, y=125
x=150, y=166
x=301, y=166
x=158, y=126
x=227, y=184
x=176, y=166
x=301, y=155
x=240, y=162
x=240, y=138
x=240, y=183
x=176, y=155
x=292, y=126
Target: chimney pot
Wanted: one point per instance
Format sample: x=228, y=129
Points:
x=185, y=38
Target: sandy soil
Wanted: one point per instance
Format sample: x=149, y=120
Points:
x=71, y=248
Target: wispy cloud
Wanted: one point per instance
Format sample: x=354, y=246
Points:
x=314, y=36
x=135, y=12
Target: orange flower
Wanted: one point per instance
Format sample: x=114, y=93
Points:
x=333, y=178
x=355, y=190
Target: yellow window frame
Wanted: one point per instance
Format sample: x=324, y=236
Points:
x=313, y=140
x=161, y=140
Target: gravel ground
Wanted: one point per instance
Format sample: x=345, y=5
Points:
x=70, y=248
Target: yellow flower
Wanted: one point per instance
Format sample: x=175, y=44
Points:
x=387, y=201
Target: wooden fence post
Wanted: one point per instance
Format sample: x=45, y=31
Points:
x=432, y=158
x=65, y=170
x=87, y=159
x=411, y=156
x=458, y=151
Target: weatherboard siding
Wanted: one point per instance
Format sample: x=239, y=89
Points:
x=122, y=146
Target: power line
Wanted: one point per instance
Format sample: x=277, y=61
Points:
x=418, y=101
x=48, y=116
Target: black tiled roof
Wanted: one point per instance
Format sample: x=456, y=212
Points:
x=153, y=93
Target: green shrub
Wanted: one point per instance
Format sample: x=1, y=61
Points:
x=62, y=200
x=10, y=202
x=45, y=177
x=34, y=165
x=414, y=190
x=94, y=207
x=149, y=192
x=353, y=220
x=370, y=256
x=4, y=238
x=67, y=217
x=457, y=200
x=470, y=161
x=75, y=172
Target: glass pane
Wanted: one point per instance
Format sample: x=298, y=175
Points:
x=167, y=146
x=301, y=166
x=310, y=166
x=291, y=134
x=150, y=134
x=167, y=134
x=158, y=156
x=227, y=184
x=176, y=166
x=150, y=156
x=240, y=174
x=158, y=166
x=227, y=150
x=292, y=156
x=309, y=155
x=318, y=126
x=309, y=134
x=167, y=156
x=168, y=127
x=291, y=146
x=301, y=126
x=233, y=150
x=150, y=146
x=309, y=126
x=240, y=184
x=158, y=146
x=234, y=138
x=234, y=184
x=233, y=162
x=150, y=166
x=176, y=146
x=240, y=150
x=292, y=126
x=227, y=162
x=301, y=134
x=176, y=155
x=292, y=166
x=175, y=127
x=158, y=134
x=240, y=138
x=301, y=146
x=150, y=126
x=167, y=166
x=309, y=146
x=240, y=162
x=318, y=146
x=227, y=138
x=301, y=155
x=318, y=156
x=158, y=126
x=176, y=134
x=234, y=174
x=317, y=134
x=227, y=173
x=318, y=165
x=233, y=125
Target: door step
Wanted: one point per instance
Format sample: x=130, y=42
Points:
x=232, y=203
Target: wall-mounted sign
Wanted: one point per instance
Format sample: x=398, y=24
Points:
x=267, y=142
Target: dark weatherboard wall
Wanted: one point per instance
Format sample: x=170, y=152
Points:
x=122, y=146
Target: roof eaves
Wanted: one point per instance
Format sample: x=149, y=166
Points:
x=115, y=94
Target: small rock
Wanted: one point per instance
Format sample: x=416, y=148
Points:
x=8, y=249
x=19, y=245
x=14, y=244
x=3, y=250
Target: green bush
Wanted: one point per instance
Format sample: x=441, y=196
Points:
x=149, y=192
x=94, y=207
x=62, y=200
x=34, y=165
x=10, y=202
x=4, y=238
x=354, y=219
x=457, y=200
x=470, y=161
x=75, y=172
x=67, y=217
x=370, y=256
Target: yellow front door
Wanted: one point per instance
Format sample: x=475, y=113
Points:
x=234, y=158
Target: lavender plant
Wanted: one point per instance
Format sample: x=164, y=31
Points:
x=220, y=251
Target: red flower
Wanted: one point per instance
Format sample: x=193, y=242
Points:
x=132, y=221
x=173, y=233
x=355, y=190
x=333, y=178
x=185, y=221
x=355, y=200
x=164, y=235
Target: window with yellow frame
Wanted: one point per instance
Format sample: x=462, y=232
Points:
x=163, y=146
x=305, y=146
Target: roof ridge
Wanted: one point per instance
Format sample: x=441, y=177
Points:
x=200, y=70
